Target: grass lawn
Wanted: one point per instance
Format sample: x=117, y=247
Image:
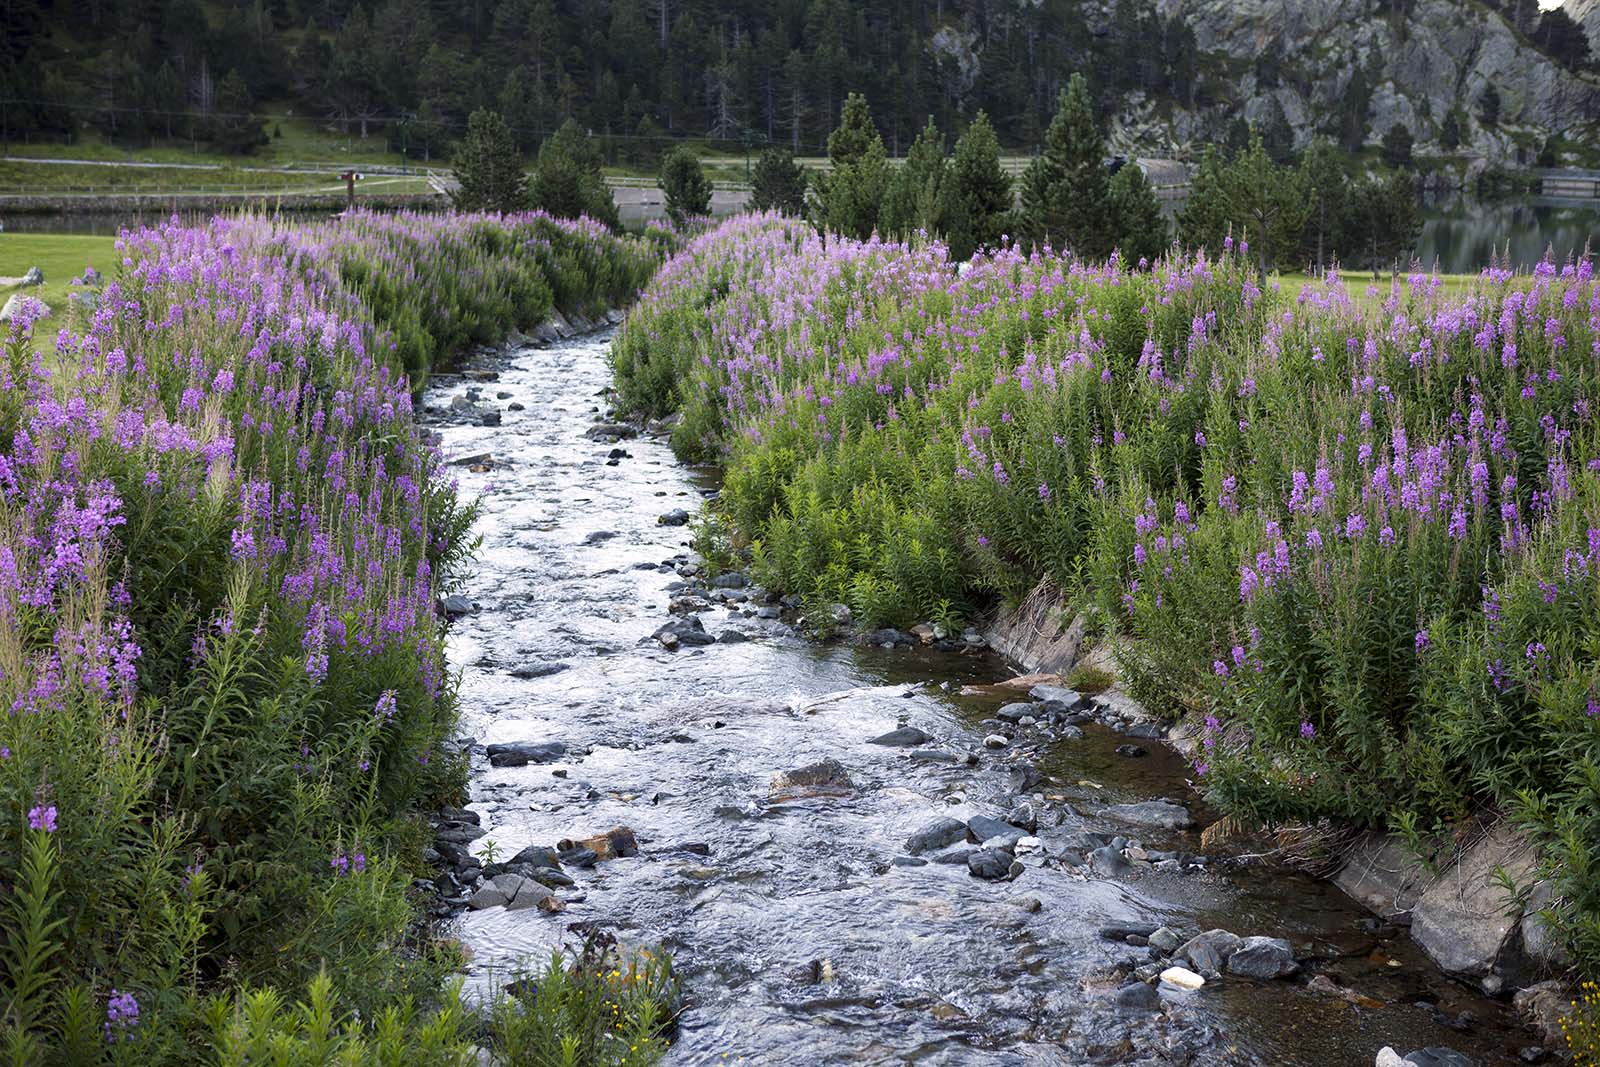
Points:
x=1358, y=283
x=61, y=257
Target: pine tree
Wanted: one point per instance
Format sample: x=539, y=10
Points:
x=1450, y=131
x=1326, y=185
x=912, y=202
x=487, y=168
x=1269, y=202
x=1140, y=227
x=1204, y=220
x=976, y=201
x=779, y=183
x=567, y=181
x=1397, y=145
x=1384, y=222
x=686, y=185
x=1489, y=106
x=234, y=126
x=1067, y=192
x=851, y=195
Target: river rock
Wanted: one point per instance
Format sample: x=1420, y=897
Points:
x=455, y=605
x=1182, y=978
x=933, y=755
x=1388, y=1057
x=615, y=842
x=1108, y=861
x=1068, y=699
x=1123, y=931
x=675, y=517
x=1438, y=1056
x=1543, y=1008
x=986, y=828
x=936, y=835
x=1165, y=939
x=1208, y=952
x=1263, y=957
x=1029, y=904
x=1138, y=997
x=1017, y=712
x=537, y=670
x=616, y=431
x=993, y=864
x=511, y=891
x=825, y=778
x=1022, y=814
x=1154, y=813
x=904, y=737
x=995, y=741
x=1130, y=751
x=1463, y=921
x=489, y=418
x=685, y=631
x=522, y=753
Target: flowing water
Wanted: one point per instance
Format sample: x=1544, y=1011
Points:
x=797, y=940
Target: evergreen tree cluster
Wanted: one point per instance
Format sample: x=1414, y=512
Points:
x=639, y=74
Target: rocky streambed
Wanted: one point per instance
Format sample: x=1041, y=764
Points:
x=880, y=851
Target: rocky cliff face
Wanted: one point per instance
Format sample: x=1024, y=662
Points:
x=1441, y=56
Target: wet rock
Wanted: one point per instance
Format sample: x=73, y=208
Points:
x=537, y=670
x=731, y=580
x=936, y=835
x=1533, y=1054
x=1138, y=997
x=1263, y=957
x=1017, y=712
x=903, y=737
x=1130, y=751
x=1463, y=921
x=983, y=828
x=995, y=741
x=732, y=637
x=489, y=418
x=924, y=633
x=1029, y=904
x=825, y=778
x=1165, y=939
x=511, y=891
x=619, y=453
x=522, y=753
x=1068, y=699
x=616, y=431
x=455, y=605
x=1543, y=1007
x=675, y=517
x=615, y=842
x=514, y=406
x=1022, y=778
x=1437, y=1056
x=1123, y=931
x=933, y=755
x=1182, y=978
x=993, y=864
x=548, y=876
x=1153, y=813
x=481, y=459
x=1208, y=952
x=840, y=614
x=580, y=857
x=1022, y=814
x=1069, y=733
x=599, y=536
x=1107, y=860
x=953, y=856
x=688, y=631
x=1146, y=731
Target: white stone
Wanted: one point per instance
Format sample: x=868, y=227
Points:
x=1388, y=1057
x=1182, y=978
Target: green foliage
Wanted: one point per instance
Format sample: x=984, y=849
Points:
x=1382, y=221
x=1489, y=106
x=567, y=181
x=488, y=167
x=1253, y=199
x=1397, y=145
x=912, y=201
x=685, y=183
x=778, y=183
x=1066, y=192
x=850, y=195
x=1326, y=185
x=599, y=1011
x=1140, y=226
x=975, y=199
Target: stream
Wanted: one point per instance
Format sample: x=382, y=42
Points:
x=799, y=937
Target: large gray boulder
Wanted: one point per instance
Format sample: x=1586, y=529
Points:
x=1466, y=921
